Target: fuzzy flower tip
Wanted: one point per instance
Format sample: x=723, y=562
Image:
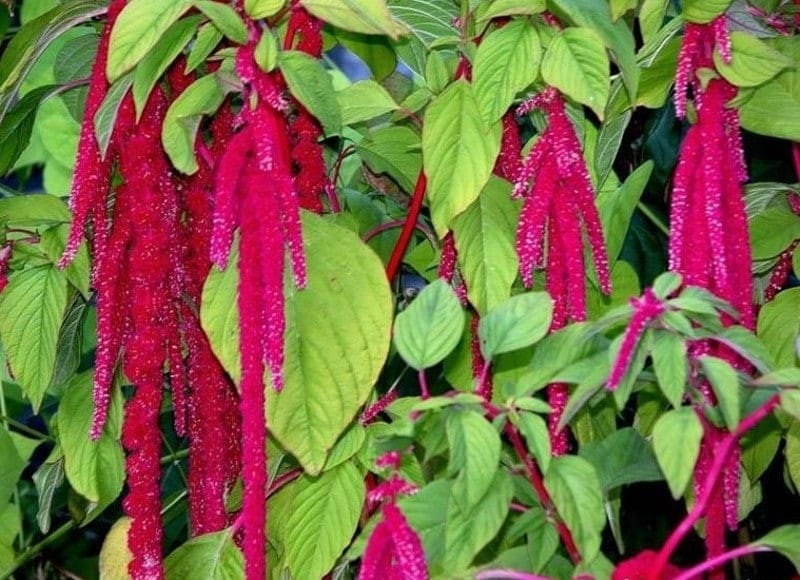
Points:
x=645, y=309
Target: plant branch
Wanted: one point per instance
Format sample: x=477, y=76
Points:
x=36, y=549
x=408, y=228
x=423, y=384
x=721, y=456
x=649, y=214
x=718, y=561
x=283, y=480
x=535, y=478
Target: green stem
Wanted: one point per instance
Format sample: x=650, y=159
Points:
x=172, y=458
x=36, y=549
x=175, y=457
x=4, y=413
x=653, y=218
x=24, y=428
x=178, y=499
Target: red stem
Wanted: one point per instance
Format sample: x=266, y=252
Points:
x=544, y=497
x=408, y=227
x=423, y=384
x=712, y=563
x=722, y=453
x=283, y=480
x=796, y=158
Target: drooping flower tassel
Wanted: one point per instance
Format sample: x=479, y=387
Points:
x=558, y=211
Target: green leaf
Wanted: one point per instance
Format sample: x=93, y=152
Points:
x=484, y=236
x=348, y=445
x=534, y=430
x=178, y=134
x=364, y=100
x=616, y=209
x=575, y=489
x=499, y=8
x=518, y=322
x=771, y=108
x=337, y=338
x=793, y=453
x=115, y=555
x=459, y=151
x=225, y=18
x=208, y=557
x=31, y=309
x=703, y=11
x=310, y=84
x=138, y=28
x=622, y=459
x=266, y=52
x=760, y=446
x=257, y=9
x=676, y=441
x=620, y=7
x=474, y=456
x=11, y=465
x=651, y=17
x=17, y=125
x=393, y=150
x=33, y=38
x=430, y=328
x=320, y=519
x=754, y=61
x=208, y=37
x=576, y=63
x=48, y=479
x=106, y=116
x=95, y=469
x=608, y=144
x=779, y=326
x=156, y=62
x=452, y=537
x=507, y=61
x=772, y=231
x=617, y=36
x=670, y=365
x=70, y=339
x=785, y=540
x=725, y=383
x=371, y=17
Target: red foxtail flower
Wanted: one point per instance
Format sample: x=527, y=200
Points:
x=645, y=309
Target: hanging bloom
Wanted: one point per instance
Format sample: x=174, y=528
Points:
x=394, y=549
x=557, y=212
x=645, y=309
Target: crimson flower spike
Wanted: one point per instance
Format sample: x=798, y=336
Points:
x=645, y=309
x=394, y=549
x=557, y=211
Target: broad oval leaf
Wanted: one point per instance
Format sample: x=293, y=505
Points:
x=138, y=28
x=458, y=150
x=95, y=469
x=115, y=555
x=262, y=8
x=319, y=519
x=208, y=557
x=703, y=11
x=670, y=365
x=202, y=97
x=430, y=328
x=576, y=63
x=575, y=488
x=474, y=456
x=676, y=442
x=225, y=18
x=484, y=236
x=725, y=383
x=371, y=17
x=312, y=86
x=518, y=322
x=507, y=61
x=31, y=310
x=754, y=61
x=364, y=100
x=337, y=338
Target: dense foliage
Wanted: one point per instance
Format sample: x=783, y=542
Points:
x=400, y=289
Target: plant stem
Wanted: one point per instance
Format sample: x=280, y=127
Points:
x=717, y=561
x=283, y=480
x=24, y=428
x=423, y=384
x=544, y=497
x=653, y=218
x=34, y=550
x=408, y=228
x=174, y=502
x=722, y=454
x=175, y=456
